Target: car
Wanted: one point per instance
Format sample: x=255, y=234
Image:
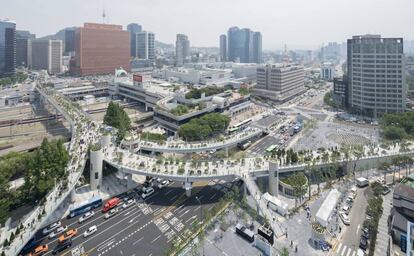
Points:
x=368, y=217
x=62, y=246
x=147, y=193
x=40, y=250
x=90, y=231
x=111, y=213
x=365, y=233
x=345, y=219
x=158, y=180
x=163, y=184
x=51, y=227
x=128, y=203
x=58, y=231
x=86, y=216
x=363, y=243
x=346, y=209
x=325, y=246
x=69, y=234
x=385, y=190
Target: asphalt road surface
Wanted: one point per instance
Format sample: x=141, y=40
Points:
x=145, y=228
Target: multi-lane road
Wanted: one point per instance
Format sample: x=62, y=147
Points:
x=148, y=227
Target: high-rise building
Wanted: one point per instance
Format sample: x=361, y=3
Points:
x=47, y=54
x=7, y=47
x=223, y=47
x=257, y=47
x=244, y=45
x=376, y=75
x=23, y=50
x=327, y=71
x=100, y=49
x=182, y=49
x=70, y=40
x=146, y=46
x=134, y=29
x=279, y=82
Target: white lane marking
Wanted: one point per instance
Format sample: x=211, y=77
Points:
x=344, y=250
x=339, y=248
x=173, y=198
x=134, y=243
x=190, y=219
x=155, y=239
x=349, y=252
x=196, y=208
x=169, y=191
x=106, y=245
x=211, y=198
x=178, y=208
x=354, y=253
x=184, y=213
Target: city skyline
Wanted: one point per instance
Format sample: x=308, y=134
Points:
x=388, y=19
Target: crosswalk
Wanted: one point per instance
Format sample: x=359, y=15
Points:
x=344, y=250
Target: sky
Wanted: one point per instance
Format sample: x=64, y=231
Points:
x=300, y=24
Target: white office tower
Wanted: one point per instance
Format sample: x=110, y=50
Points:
x=279, y=82
x=146, y=46
x=327, y=71
x=182, y=49
x=47, y=55
x=376, y=75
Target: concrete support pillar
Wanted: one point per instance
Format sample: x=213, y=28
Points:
x=72, y=195
x=227, y=151
x=105, y=140
x=130, y=182
x=273, y=178
x=95, y=174
x=187, y=186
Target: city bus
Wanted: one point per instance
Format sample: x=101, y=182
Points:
x=233, y=130
x=271, y=148
x=83, y=207
x=245, y=145
x=238, y=126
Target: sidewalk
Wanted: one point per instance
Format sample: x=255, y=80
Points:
x=381, y=246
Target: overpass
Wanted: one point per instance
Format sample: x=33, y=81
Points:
x=85, y=132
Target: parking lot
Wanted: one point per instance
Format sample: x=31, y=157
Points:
x=149, y=224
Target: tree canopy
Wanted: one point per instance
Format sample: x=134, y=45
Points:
x=209, y=90
x=117, y=117
x=40, y=169
x=398, y=126
x=204, y=127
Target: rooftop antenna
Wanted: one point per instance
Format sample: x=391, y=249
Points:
x=103, y=12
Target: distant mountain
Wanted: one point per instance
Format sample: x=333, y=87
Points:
x=60, y=35
x=159, y=44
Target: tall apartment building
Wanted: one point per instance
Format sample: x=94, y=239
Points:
x=182, y=49
x=279, y=82
x=23, y=48
x=133, y=29
x=223, y=47
x=257, y=48
x=146, y=46
x=376, y=76
x=327, y=71
x=100, y=49
x=47, y=54
x=70, y=40
x=244, y=45
x=7, y=47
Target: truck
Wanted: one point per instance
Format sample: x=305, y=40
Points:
x=242, y=231
x=361, y=182
x=111, y=203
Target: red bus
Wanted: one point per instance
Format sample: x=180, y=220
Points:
x=111, y=203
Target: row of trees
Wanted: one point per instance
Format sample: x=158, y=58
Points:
x=204, y=127
x=17, y=78
x=208, y=91
x=398, y=126
x=374, y=209
x=41, y=169
x=117, y=117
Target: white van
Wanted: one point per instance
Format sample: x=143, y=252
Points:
x=149, y=191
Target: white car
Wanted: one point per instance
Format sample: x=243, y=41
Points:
x=90, y=231
x=158, y=180
x=51, y=227
x=58, y=231
x=128, y=203
x=86, y=216
x=163, y=184
x=147, y=193
x=111, y=213
x=344, y=218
